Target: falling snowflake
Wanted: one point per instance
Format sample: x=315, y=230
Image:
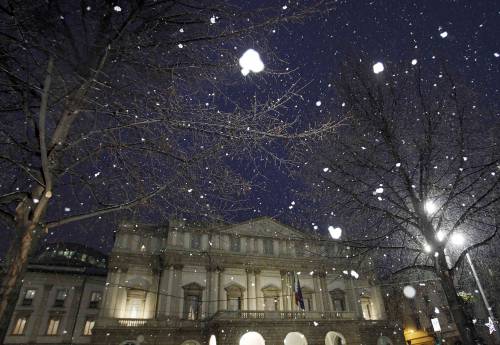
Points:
x=250, y=61
x=444, y=34
x=212, y=19
x=409, y=291
x=318, y=103
x=117, y=8
x=378, y=67
x=414, y=62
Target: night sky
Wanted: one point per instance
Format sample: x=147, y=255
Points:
x=464, y=33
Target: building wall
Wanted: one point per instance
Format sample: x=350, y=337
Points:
x=73, y=313
x=265, y=262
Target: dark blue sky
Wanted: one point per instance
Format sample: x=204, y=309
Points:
x=463, y=33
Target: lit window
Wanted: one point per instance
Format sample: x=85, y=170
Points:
x=235, y=244
x=89, y=325
x=234, y=297
x=271, y=298
x=136, y=300
x=268, y=246
x=192, y=301
x=95, y=299
x=53, y=325
x=366, y=307
x=20, y=326
x=29, y=296
x=60, y=297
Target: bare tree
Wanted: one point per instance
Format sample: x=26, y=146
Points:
x=106, y=107
x=415, y=167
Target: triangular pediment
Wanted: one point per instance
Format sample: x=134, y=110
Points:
x=264, y=227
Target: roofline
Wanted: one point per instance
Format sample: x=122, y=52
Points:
x=254, y=220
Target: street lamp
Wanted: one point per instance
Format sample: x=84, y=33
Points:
x=458, y=240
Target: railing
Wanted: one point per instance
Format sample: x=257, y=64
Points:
x=132, y=322
x=229, y=315
x=285, y=315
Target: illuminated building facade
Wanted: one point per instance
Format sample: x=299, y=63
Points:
x=234, y=284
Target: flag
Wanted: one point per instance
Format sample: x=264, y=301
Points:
x=299, y=300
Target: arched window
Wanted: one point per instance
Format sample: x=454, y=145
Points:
x=271, y=298
x=136, y=299
x=234, y=294
x=334, y=338
x=295, y=338
x=192, y=301
x=338, y=300
x=366, y=307
x=190, y=342
x=252, y=338
x=383, y=340
x=129, y=342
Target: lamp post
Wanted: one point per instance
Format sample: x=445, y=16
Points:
x=458, y=239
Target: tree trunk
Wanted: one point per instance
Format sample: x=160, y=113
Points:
x=17, y=265
x=463, y=321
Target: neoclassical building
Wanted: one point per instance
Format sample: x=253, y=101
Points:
x=234, y=284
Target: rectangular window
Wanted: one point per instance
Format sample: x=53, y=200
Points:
x=60, y=297
x=53, y=325
x=195, y=241
x=271, y=303
x=95, y=299
x=192, y=305
x=234, y=303
x=89, y=325
x=20, y=326
x=29, y=296
x=268, y=246
x=235, y=244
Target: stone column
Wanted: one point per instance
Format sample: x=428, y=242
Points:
x=163, y=293
x=356, y=306
x=207, y=304
x=317, y=293
x=222, y=298
x=178, y=293
x=324, y=292
x=291, y=290
x=252, y=303
x=258, y=293
x=169, y=292
x=285, y=298
x=215, y=290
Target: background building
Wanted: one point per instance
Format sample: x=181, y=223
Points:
x=234, y=284
x=60, y=297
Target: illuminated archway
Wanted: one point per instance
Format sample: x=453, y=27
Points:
x=334, y=338
x=383, y=340
x=252, y=338
x=295, y=338
x=213, y=340
x=190, y=342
